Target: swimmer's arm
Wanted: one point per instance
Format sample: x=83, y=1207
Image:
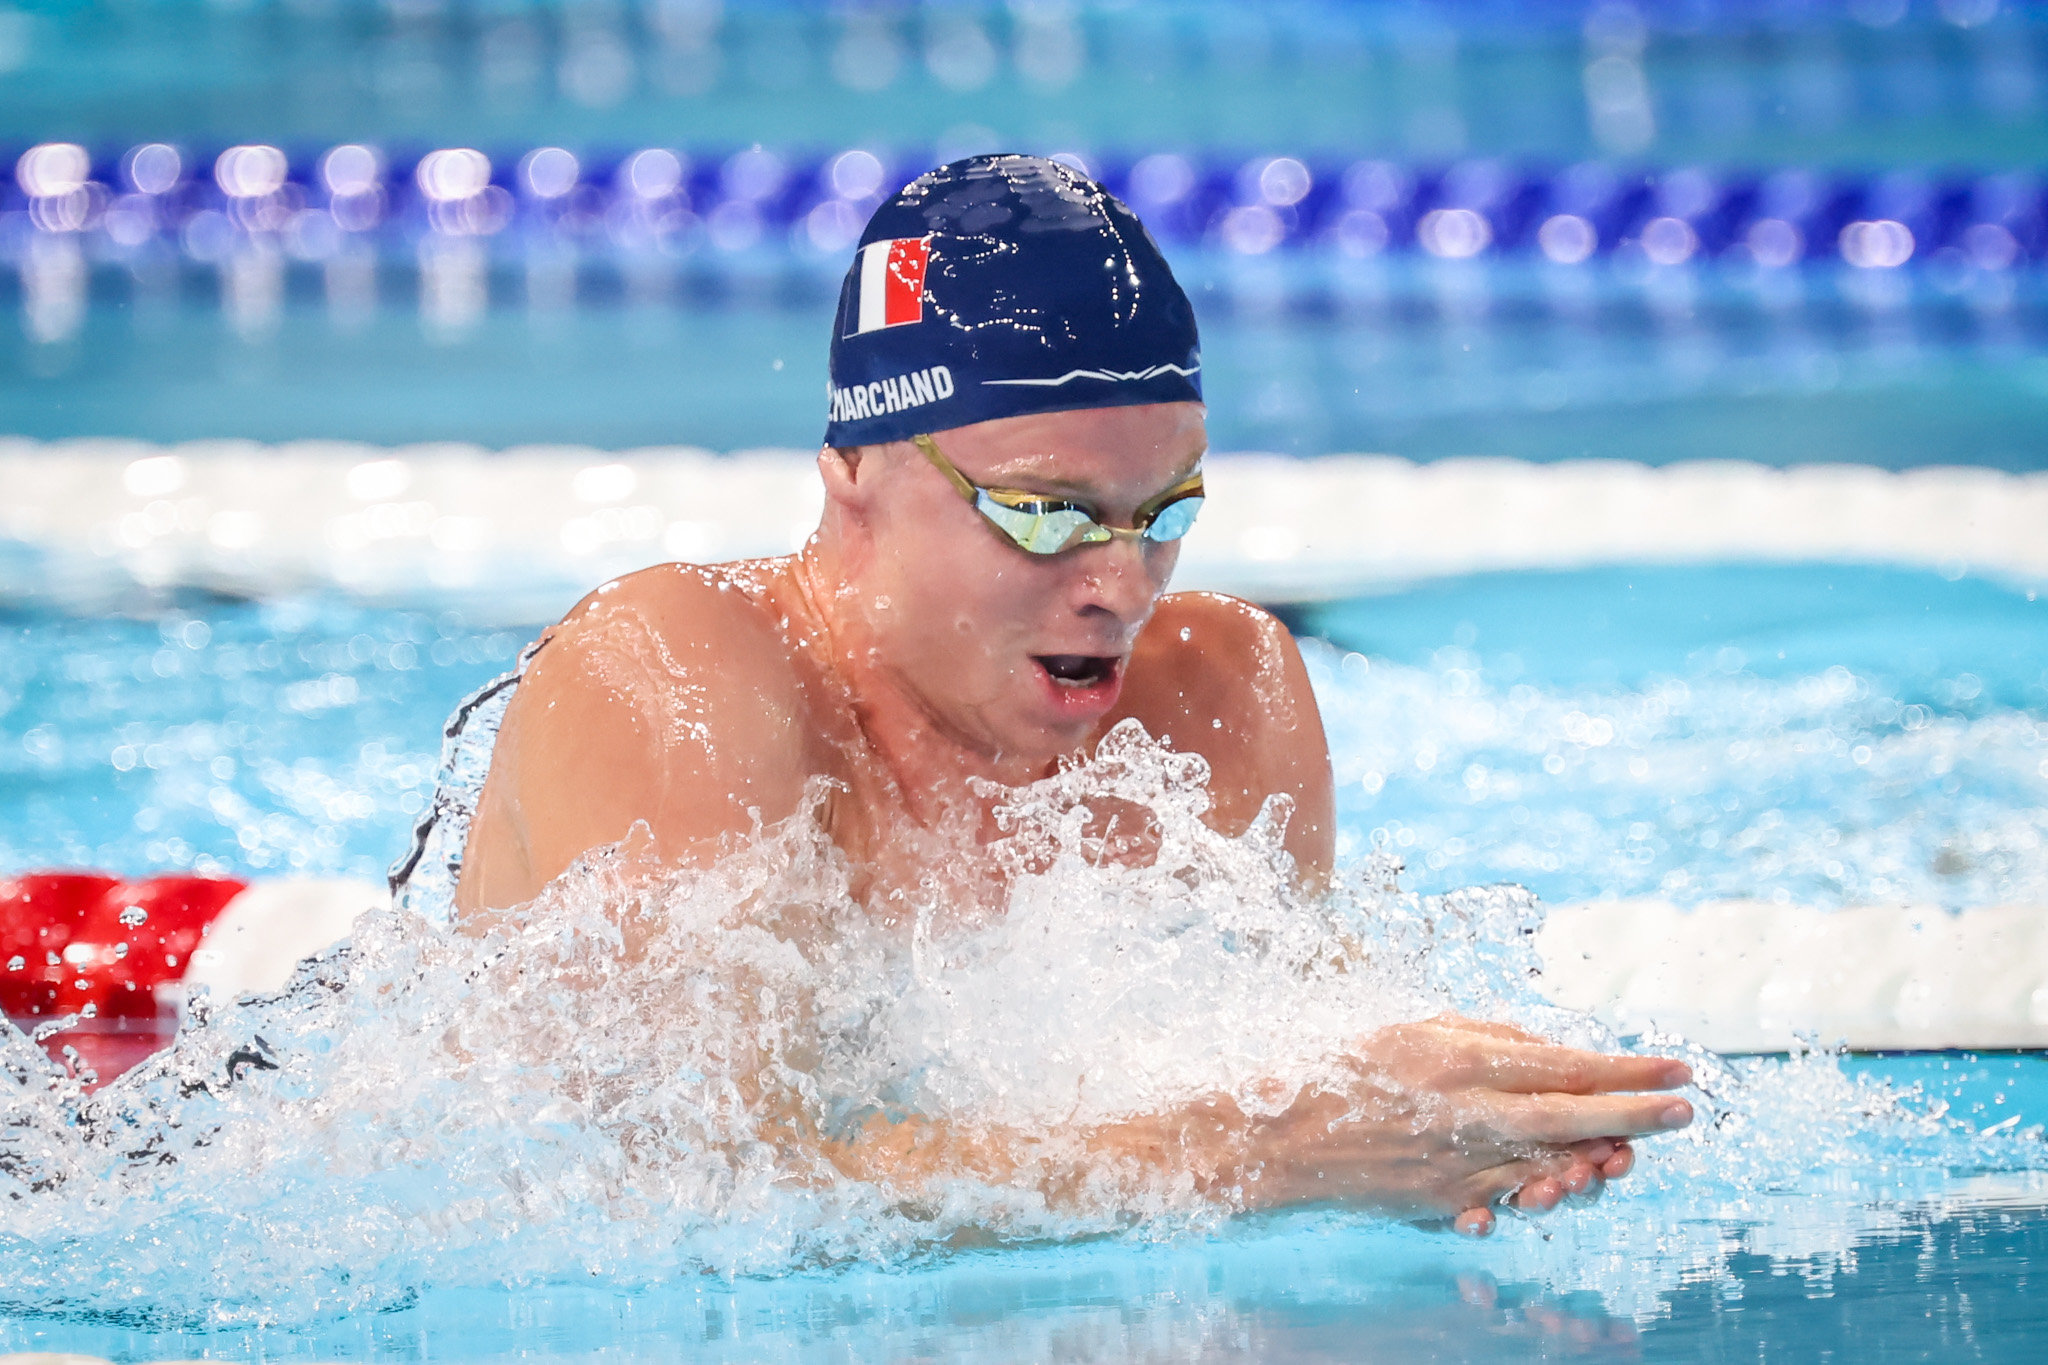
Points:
x=1444, y=1118
x=661, y=700
x=1224, y=679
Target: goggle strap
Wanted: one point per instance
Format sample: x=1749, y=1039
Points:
x=945, y=466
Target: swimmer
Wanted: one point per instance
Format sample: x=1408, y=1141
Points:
x=1012, y=455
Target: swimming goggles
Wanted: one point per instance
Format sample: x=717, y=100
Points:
x=1041, y=525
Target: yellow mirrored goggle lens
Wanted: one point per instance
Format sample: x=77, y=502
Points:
x=1176, y=518
x=1037, y=527
x=1043, y=526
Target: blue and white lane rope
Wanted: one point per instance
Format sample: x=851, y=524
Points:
x=207, y=204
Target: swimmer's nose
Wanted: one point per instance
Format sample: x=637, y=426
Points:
x=1123, y=578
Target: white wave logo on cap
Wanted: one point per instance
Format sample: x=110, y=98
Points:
x=1109, y=376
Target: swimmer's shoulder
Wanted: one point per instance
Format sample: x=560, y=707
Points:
x=1221, y=677
x=716, y=629
x=1214, y=639
x=665, y=698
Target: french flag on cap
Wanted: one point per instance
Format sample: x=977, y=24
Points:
x=891, y=287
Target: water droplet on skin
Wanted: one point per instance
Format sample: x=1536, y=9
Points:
x=1187, y=633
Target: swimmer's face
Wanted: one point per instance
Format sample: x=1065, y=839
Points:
x=1016, y=655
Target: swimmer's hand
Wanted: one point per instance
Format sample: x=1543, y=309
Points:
x=1439, y=1120
x=1447, y=1118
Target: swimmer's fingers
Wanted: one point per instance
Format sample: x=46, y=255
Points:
x=1540, y=1068
x=1613, y=1158
x=1596, y=1150
x=1580, y=1177
x=1492, y=1029
x=1561, y=1120
x=1540, y=1195
x=1536, y=1187
x=1533, y=1186
x=1511, y=1182
x=1473, y=1223
x=1571, y=1175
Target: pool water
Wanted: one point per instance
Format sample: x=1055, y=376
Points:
x=1801, y=1276
x=1813, y=733
x=1730, y=80
x=293, y=738
x=1820, y=733
x=1305, y=355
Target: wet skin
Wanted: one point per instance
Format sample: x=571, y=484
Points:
x=910, y=648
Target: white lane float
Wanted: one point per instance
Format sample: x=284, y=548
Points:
x=530, y=529
x=97, y=967
x=1758, y=976
x=1736, y=976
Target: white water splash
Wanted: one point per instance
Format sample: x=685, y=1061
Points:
x=625, y=1083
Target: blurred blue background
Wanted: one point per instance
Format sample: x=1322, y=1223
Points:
x=1772, y=231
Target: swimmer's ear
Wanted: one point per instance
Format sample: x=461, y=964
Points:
x=839, y=467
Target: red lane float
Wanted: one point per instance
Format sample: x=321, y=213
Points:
x=99, y=947
x=40, y=913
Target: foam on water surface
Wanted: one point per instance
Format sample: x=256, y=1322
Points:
x=622, y=1086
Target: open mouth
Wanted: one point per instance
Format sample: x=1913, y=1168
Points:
x=1079, y=670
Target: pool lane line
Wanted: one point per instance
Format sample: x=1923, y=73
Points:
x=524, y=532
x=1735, y=976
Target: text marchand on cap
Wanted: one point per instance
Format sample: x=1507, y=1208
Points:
x=912, y=390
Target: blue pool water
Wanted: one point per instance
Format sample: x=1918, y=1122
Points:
x=1813, y=735
x=1796, y=1275
x=1811, y=732
x=1816, y=734
x=1291, y=159
x=1728, y=80
x=1824, y=733
x=1441, y=364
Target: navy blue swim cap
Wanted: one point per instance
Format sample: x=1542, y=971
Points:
x=998, y=286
